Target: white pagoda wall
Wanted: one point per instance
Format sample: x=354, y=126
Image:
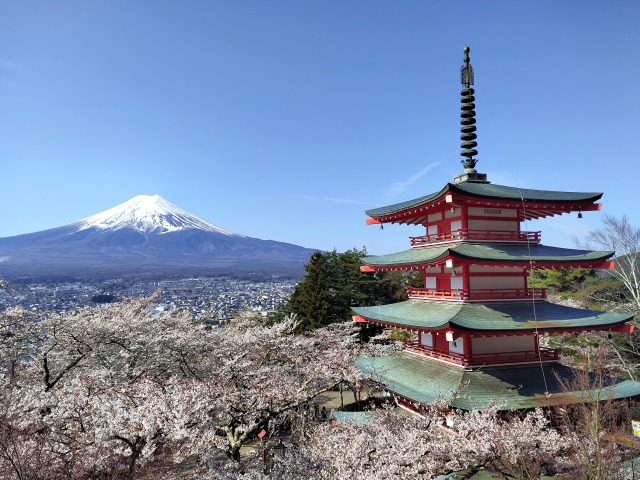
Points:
x=509, y=224
x=493, y=212
x=433, y=270
x=434, y=217
x=493, y=225
x=483, y=269
x=502, y=344
x=426, y=339
x=457, y=346
x=436, y=222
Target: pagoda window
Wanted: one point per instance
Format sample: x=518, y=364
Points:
x=456, y=225
x=432, y=230
x=430, y=283
x=457, y=283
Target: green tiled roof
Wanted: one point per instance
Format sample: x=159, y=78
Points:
x=514, y=316
x=424, y=381
x=489, y=190
x=399, y=207
x=486, y=252
x=514, y=193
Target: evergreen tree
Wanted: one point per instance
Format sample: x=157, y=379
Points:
x=311, y=298
x=334, y=284
x=415, y=279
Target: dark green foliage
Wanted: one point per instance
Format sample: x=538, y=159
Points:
x=311, y=299
x=562, y=280
x=415, y=279
x=103, y=298
x=400, y=335
x=367, y=331
x=333, y=284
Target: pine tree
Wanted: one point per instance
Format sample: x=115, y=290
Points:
x=311, y=299
x=334, y=284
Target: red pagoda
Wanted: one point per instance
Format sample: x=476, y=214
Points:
x=478, y=323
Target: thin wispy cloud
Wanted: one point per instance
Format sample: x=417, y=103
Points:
x=335, y=200
x=399, y=187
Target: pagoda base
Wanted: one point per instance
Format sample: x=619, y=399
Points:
x=421, y=382
x=471, y=176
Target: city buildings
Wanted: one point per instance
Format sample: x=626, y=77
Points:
x=220, y=297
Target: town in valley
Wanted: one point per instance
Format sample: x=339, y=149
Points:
x=221, y=298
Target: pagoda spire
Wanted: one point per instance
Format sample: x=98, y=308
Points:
x=468, y=114
x=468, y=121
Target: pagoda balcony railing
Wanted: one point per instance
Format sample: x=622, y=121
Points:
x=480, y=359
x=478, y=294
x=475, y=235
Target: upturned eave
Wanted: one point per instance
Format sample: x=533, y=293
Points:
x=531, y=204
x=495, y=255
x=492, y=319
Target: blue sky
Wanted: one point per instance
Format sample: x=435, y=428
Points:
x=285, y=120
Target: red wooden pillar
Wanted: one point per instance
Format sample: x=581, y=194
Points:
x=466, y=343
x=464, y=213
x=465, y=277
x=520, y=220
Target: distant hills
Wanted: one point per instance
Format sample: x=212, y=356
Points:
x=146, y=236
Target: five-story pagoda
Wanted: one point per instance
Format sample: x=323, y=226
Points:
x=478, y=323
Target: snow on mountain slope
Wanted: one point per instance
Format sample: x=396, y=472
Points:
x=147, y=214
x=145, y=236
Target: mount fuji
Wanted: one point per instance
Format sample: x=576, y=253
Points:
x=146, y=236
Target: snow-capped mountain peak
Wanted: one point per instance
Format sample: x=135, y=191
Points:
x=147, y=214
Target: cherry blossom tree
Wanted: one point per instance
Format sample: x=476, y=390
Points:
x=618, y=235
x=592, y=425
x=393, y=445
x=117, y=392
x=116, y=385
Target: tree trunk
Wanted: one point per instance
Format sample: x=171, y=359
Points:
x=233, y=452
